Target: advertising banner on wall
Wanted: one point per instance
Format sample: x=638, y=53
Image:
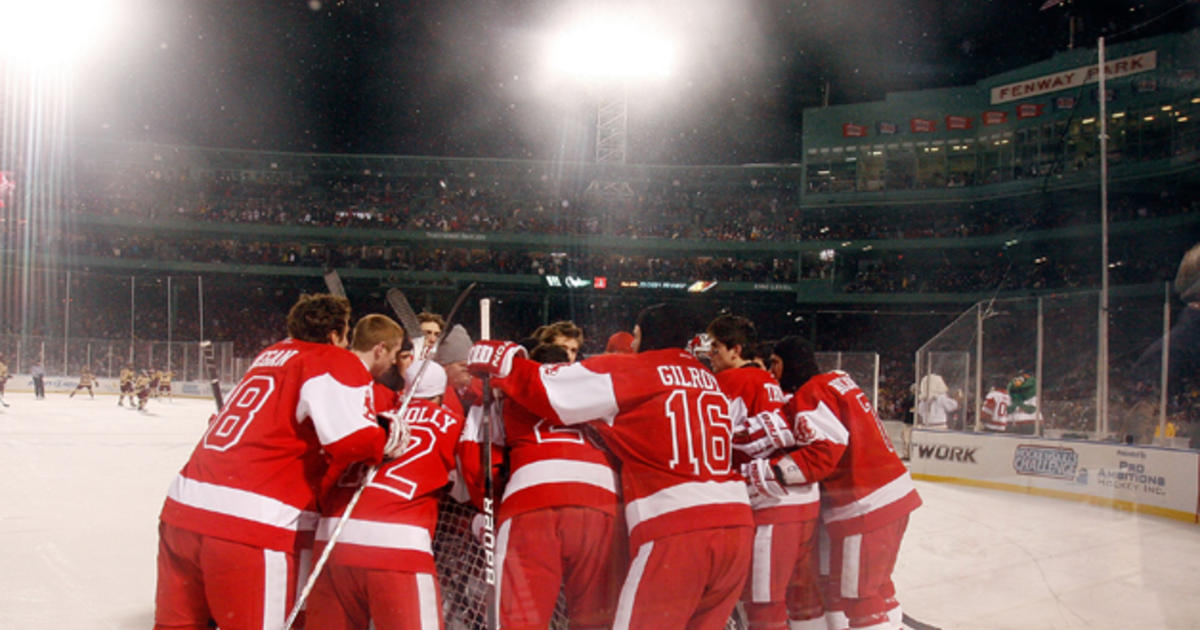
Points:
x=1161, y=481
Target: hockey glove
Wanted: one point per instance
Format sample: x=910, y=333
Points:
x=764, y=434
x=493, y=358
x=763, y=477
x=398, y=434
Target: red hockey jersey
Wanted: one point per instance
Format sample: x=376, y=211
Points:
x=301, y=409
x=663, y=415
x=552, y=466
x=844, y=446
x=752, y=390
x=392, y=525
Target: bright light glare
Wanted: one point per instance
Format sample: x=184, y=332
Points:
x=615, y=47
x=39, y=33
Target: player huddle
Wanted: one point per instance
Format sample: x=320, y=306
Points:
x=657, y=491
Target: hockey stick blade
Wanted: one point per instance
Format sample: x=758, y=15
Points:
x=333, y=282
x=206, y=351
x=916, y=625
x=410, y=389
x=404, y=312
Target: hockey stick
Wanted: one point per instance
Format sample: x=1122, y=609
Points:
x=916, y=625
x=489, y=521
x=410, y=389
x=333, y=282
x=206, y=349
x=404, y=312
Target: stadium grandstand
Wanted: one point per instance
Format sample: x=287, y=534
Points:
x=899, y=217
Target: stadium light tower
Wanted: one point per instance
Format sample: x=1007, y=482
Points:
x=605, y=51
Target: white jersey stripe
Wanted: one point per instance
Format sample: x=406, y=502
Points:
x=241, y=504
x=275, y=582
x=633, y=580
x=552, y=471
x=851, y=562
x=378, y=534
x=501, y=552
x=825, y=423
x=886, y=494
x=578, y=394
x=336, y=409
x=683, y=496
x=427, y=602
x=760, y=576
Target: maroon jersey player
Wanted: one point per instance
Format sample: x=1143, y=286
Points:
x=661, y=413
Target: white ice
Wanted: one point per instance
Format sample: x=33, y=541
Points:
x=84, y=480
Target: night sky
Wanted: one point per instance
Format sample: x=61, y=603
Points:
x=459, y=77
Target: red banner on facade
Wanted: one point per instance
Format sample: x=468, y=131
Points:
x=851, y=130
x=993, y=117
x=958, y=122
x=921, y=125
x=1030, y=110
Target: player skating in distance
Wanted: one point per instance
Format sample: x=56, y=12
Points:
x=141, y=389
x=125, y=385
x=86, y=381
x=164, y=384
x=866, y=491
x=662, y=414
x=782, y=585
x=240, y=517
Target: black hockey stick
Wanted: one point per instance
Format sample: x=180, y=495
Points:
x=489, y=482
x=404, y=312
x=410, y=389
x=210, y=366
x=916, y=625
x=333, y=282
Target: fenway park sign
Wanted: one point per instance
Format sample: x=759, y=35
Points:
x=1075, y=77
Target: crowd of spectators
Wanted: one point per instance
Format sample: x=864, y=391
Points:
x=727, y=210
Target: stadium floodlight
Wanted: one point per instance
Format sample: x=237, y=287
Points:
x=617, y=46
x=48, y=33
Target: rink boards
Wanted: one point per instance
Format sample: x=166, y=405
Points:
x=1144, y=479
x=110, y=386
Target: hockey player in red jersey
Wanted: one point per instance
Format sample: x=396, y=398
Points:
x=382, y=570
x=661, y=413
x=558, y=522
x=866, y=491
x=785, y=526
x=244, y=506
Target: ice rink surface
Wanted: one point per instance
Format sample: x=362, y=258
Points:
x=84, y=480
